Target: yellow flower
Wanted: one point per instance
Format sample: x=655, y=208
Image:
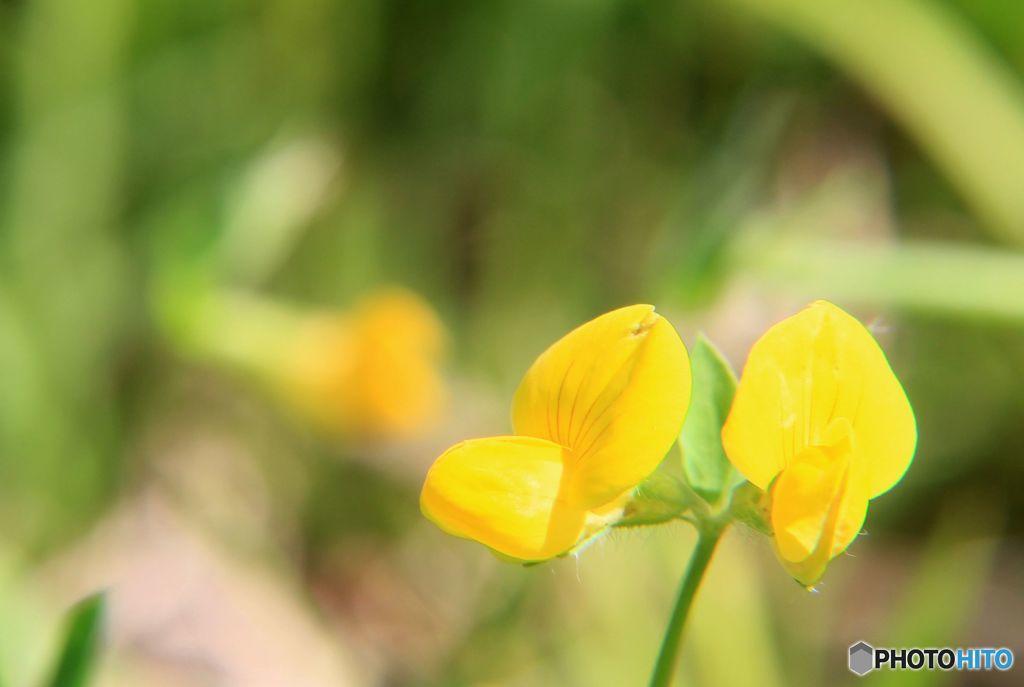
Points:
x=372, y=370
x=821, y=421
x=593, y=417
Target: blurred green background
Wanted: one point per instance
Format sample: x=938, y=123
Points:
x=523, y=166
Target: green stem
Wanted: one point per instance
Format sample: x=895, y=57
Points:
x=707, y=540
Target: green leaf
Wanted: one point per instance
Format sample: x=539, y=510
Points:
x=81, y=643
x=705, y=464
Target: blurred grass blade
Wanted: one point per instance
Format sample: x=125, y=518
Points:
x=721, y=197
x=931, y=277
x=961, y=104
x=81, y=643
x=273, y=201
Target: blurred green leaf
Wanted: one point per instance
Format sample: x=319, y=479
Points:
x=81, y=643
x=707, y=468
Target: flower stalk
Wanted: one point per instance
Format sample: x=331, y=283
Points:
x=709, y=534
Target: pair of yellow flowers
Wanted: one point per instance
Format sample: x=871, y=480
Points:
x=819, y=423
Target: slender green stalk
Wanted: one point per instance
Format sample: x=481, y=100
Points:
x=664, y=669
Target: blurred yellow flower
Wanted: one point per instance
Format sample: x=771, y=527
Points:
x=372, y=370
x=821, y=421
x=593, y=417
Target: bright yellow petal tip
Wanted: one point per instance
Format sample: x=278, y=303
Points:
x=594, y=415
x=821, y=420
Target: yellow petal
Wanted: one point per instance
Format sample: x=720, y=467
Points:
x=809, y=569
x=615, y=391
x=804, y=373
x=507, y=493
x=818, y=507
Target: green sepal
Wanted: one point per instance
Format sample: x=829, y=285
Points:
x=752, y=507
x=707, y=468
x=662, y=497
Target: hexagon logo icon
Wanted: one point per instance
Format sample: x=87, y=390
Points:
x=862, y=658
